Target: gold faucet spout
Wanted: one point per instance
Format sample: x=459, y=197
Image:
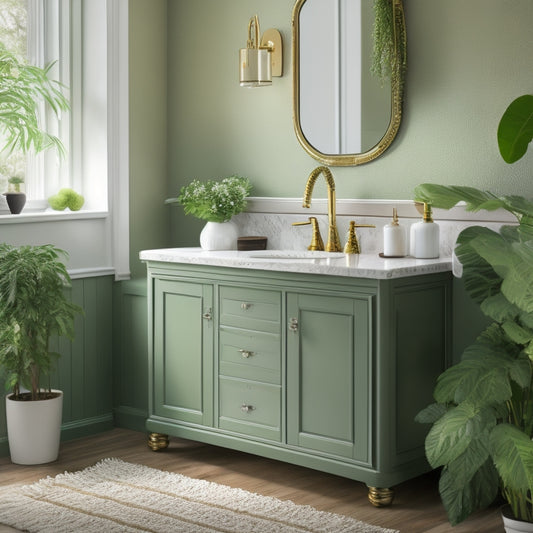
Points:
x=333, y=244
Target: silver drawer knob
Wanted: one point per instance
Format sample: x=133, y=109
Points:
x=246, y=353
x=245, y=306
x=247, y=408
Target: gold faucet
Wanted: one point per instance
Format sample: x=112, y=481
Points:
x=333, y=244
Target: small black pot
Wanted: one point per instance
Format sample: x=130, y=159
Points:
x=15, y=201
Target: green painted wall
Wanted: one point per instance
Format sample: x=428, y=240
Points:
x=149, y=218
x=467, y=61
x=130, y=354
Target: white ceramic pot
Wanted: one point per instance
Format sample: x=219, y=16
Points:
x=34, y=429
x=511, y=525
x=219, y=236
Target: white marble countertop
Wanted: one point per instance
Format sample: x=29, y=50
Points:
x=332, y=264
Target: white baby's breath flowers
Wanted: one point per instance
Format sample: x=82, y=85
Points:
x=214, y=200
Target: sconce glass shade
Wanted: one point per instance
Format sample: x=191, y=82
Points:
x=255, y=67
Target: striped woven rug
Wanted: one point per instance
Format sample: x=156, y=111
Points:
x=115, y=496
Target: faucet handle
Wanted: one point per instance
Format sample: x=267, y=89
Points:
x=317, y=244
x=352, y=244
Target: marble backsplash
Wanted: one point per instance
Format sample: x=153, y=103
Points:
x=282, y=235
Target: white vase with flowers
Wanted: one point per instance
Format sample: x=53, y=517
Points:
x=215, y=201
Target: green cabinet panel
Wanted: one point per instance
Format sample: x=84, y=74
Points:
x=328, y=360
x=183, y=351
x=421, y=342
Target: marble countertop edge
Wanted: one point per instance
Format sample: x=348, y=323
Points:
x=362, y=266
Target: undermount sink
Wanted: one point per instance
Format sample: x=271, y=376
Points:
x=294, y=254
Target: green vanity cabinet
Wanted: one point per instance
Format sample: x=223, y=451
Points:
x=327, y=372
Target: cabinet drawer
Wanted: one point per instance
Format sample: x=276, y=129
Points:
x=249, y=407
x=250, y=354
x=255, y=309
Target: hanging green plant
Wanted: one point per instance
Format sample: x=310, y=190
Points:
x=389, y=49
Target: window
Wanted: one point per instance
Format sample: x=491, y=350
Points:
x=68, y=34
x=87, y=39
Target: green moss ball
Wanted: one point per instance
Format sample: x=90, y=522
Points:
x=66, y=198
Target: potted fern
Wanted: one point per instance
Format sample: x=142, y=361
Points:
x=33, y=307
x=482, y=421
x=23, y=90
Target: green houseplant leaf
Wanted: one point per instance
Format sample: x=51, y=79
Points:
x=515, y=130
x=446, y=197
x=518, y=284
x=499, y=308
x=461, y=499
x=480, y=279
x=453, y=433
x=512, y=452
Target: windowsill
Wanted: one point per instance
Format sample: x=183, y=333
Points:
x=49, y=216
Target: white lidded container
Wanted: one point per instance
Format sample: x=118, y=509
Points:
x=424, y=238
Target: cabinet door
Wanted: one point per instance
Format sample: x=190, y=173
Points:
x=329, y=374
x=183, y=351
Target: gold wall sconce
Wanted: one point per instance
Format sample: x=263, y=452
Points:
x=261, y=59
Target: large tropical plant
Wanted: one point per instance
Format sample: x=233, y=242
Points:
x=483, y=415
x=33, y=307
x=482, y=421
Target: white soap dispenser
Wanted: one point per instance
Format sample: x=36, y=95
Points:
x=394, y=238
x=425, y=237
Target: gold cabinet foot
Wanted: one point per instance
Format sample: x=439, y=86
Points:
x=157, y=441
x=379, y=497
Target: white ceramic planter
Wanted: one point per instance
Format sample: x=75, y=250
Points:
x=512, y=525
x=34, y=429
x=219, y=236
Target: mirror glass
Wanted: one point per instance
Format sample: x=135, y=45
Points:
x=344, y=114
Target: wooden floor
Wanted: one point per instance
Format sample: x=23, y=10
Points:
x=416, y=506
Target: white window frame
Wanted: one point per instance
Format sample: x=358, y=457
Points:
x=69, y=34
x=96, y=237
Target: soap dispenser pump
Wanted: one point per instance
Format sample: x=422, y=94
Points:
x=425, y=237
x=394, y=238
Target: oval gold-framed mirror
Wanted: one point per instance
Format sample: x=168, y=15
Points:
x=343, y=114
